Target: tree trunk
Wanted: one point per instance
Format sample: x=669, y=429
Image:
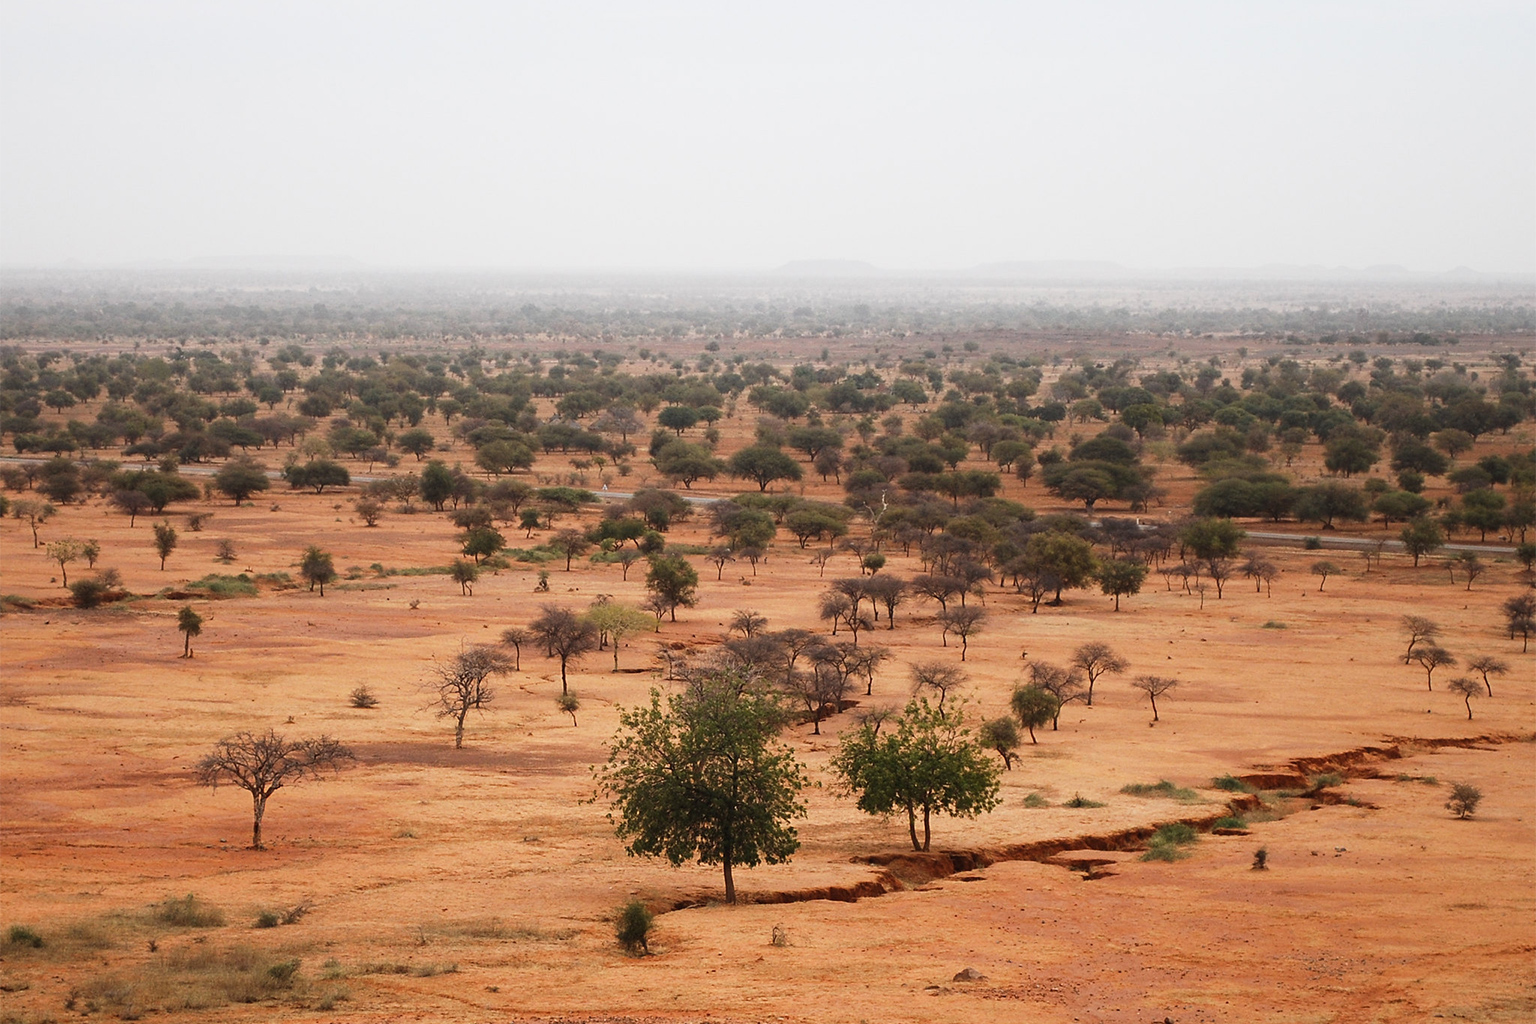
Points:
x=186, y=650
x=458, y=730
x=563, y=688
x=926, y=832
x=258, y=808
x=912, y=827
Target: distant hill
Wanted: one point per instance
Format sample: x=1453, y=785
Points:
x=1053, y=270
x=828, y=268
x=275, y=262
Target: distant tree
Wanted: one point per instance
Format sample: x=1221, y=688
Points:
x=1487, y=665
x=1095, y=659
x=748, y=623
x=1324, y=569
x=938, y=677
x=436, y=484
x=369, y=510
x=1520, y=617
x=1065, y=560
x=673, y=582
x=241, y=478
x=63, y=552
x=721, y=556
x=165, y=541
x=317, y=568
x=614, y=621
x=464, y=573
x=1154, y=687
x=263, y=763
x=764, y=464
x=461, y=685
x=1212, y=538
x=565, y=635
x=569, y=543
x=1034, y=706
x=1121, y=577
x=317, y=473
x=929, y=763
x=1001, y=735
x=1420, y=630
x=704, y=779
x=1470, y=565
x=1466, y=688
x=1422, y=536
x=568, y=703
x=190, y=624
x=1464, y=799
x=416, y=441
x=481, y=542
x=514, y=638
x=1064, y=684
x=1431, y=657
x=132, y=503
x=964, y=623
x=1330, y=500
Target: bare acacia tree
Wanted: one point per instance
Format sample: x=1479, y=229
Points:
x=514, y=638
x=1466, y=688
x=565, y=635
x=461, y=685
x=1095, y=659
x=938, y=677
x=1154, y=687
x=1488, y=665
x=748, y=623
x=1420, y=630
x=1432, y=657
x=263, y=763
x=1064, y=684
x=964, y=623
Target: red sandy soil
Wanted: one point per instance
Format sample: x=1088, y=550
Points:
x=1385, y=908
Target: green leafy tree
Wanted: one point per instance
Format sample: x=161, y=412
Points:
x=190, y=624
x=1065, y=561
x=672, y=582
x=464, y=573
x=317, y=473
x=615, y=621
x=565, y=635
x=764, y=464
x=1422, y=536
x=928, y=764
x=1121, y=577
x=241, y=478
x=65, y=551
x=1212, y=538
x=702, y=778
x=436, y=484
x=1001, y=735
x=317, y=568
x=165, y=541
x=1035, y=706
x=481, y=542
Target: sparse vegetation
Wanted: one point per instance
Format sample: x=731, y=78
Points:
x=632, y=927
x=1464, y=799
x=1164, y=790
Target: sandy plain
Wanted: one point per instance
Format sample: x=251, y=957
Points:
x=480, y=884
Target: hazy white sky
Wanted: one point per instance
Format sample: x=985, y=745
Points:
x=738, y=136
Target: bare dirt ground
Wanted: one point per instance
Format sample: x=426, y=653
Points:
x=480, y=884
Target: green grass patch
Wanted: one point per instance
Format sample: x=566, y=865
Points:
x=20, y=936
x=413, y=570
x=1035, y=801
x=1168, y=842
x=188, y=912
x=1081, y=801
x=1164, y=790
x=1230, y=822
x=538, y=555
x=1232, y=784
x=217, y=585
x=1326, y=780
x=17, y=602
x=1273, y=624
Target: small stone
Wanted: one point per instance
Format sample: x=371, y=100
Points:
x=970, y=974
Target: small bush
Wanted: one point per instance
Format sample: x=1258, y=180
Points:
x=1163, y=851
x=1163, y=789
x=283, y=972
x=88, y=592
x=1273, y=624
x=1229, y=822
x=1036, y=801
x=1327, y=779
x=1081, y=801
x=188, y=912
x=267, y=919
x=1231, y=784
x=633, y=927
x=362, y=697
x=23, y=937
x=1464, y=799
x=1312, y=544
x=1261, y=859
x=218, y=585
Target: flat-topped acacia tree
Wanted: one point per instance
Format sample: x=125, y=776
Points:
x=263, y=763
